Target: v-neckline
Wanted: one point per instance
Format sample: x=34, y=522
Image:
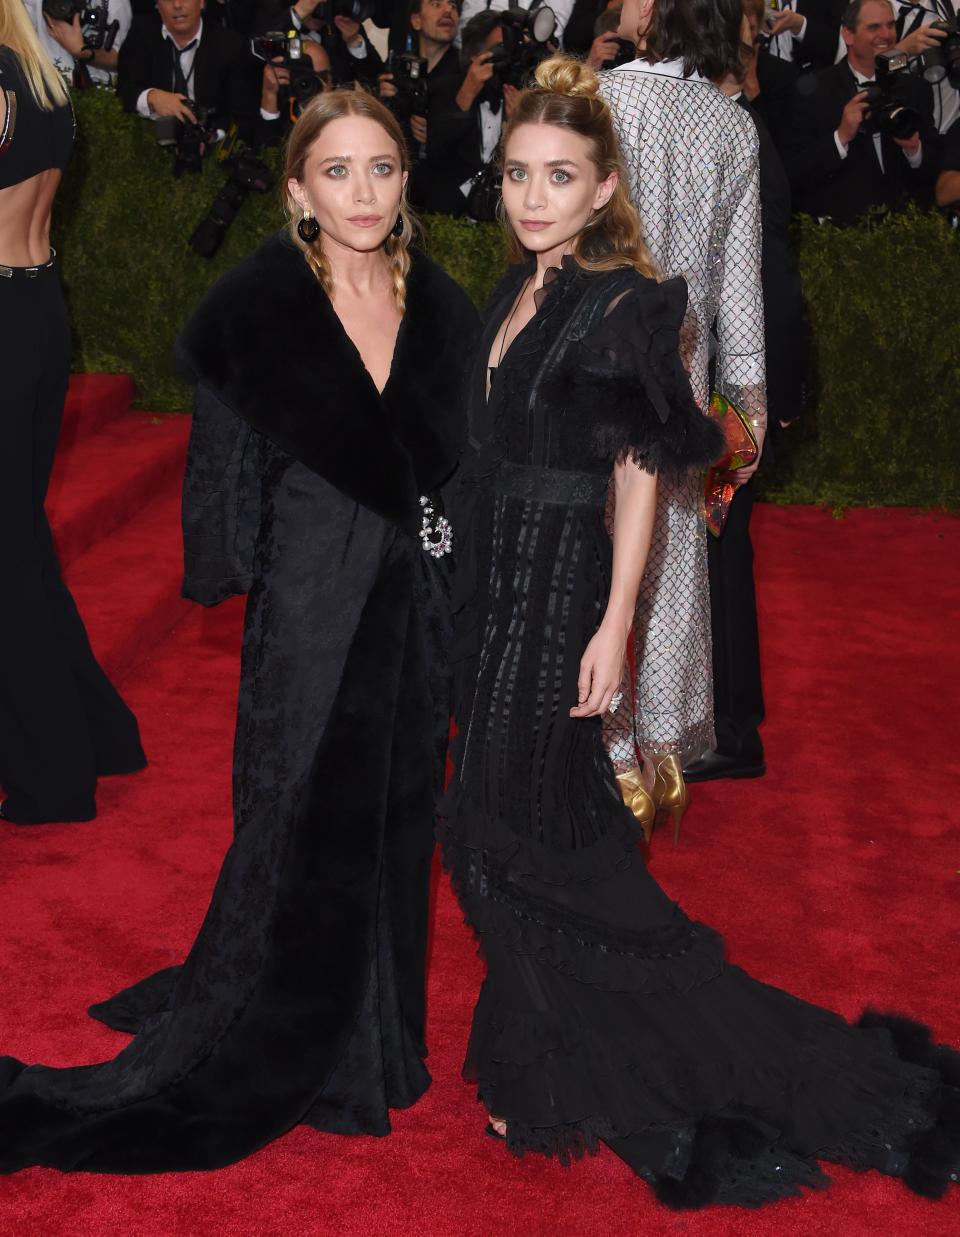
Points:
x=542, y=292
x=397, y=344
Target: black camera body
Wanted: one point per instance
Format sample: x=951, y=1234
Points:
x=942, y=62
x=626, y=51
x=99, y=32
x=285, y=51
x=247, y=174
x=526, y=33
x=889, y=111
x=356, y=10
x=410, y=78
x=189, y=142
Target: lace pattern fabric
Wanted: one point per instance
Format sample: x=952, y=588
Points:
x=692, y=159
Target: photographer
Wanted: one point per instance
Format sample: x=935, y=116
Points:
x=465, y=132
x=948, y=182
x=562, y=10
x=918, y=35
x=435, y=24
x=804, y=33
x=608, y=50
x=174, y=62
x=579, y=30
x=768, y=80
x=858, y=136
x=279, y=104
x=353, y=57
x=66, y=45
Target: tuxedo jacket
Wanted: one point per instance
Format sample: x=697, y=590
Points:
x=821, y=41
x=786, y=329
x=824, y=183
x=224, y=78
x=776, y=79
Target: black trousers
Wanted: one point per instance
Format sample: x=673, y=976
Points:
x=737, y=689
x=61, y=721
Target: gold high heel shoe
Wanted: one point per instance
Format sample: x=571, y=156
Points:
x=638, y=799
x=669, y=790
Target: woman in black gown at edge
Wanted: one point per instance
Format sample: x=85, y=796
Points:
x=302, y=999
x=606, y=1014
x=62, y=722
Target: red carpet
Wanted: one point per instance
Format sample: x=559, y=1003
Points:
x=836, y=877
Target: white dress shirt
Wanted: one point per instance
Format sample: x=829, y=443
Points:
x=186, y=65
x=784, y=45
x=913, y=15
x=491, y=122
x=117, y=10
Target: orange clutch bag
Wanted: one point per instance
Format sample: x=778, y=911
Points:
x=741, y=449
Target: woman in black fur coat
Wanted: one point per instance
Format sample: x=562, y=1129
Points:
x=328, y=369
x=606, y=1013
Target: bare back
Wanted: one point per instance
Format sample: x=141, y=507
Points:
x=36, y=142
x=25, y=219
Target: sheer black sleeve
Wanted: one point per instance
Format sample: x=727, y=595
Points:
x=645, y=407
x=221, y=502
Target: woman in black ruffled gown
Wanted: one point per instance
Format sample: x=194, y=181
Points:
x=302, y=998
x=606, y=1013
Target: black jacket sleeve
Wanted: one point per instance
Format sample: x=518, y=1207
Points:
x=221, y=502
x=821, y=39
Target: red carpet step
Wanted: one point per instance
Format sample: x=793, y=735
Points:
x=114, y=505
x=127, y=586
x=93, y=401
x=107, y=477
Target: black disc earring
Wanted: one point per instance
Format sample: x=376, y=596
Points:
x=308, y=229
x=398, y=226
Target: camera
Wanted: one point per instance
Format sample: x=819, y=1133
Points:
x=286, y=52
x=526, y=33
x=98, y=31
x=356, y=10
x=626, y=51
x=188, y=141
x=247, y=173
x=410, y=78
x=943, y=61
x=888, y=114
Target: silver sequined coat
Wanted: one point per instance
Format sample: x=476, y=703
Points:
x=692, y=158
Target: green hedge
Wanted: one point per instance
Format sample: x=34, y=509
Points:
x=884, y=302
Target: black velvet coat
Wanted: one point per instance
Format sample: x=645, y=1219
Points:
x=302, y=997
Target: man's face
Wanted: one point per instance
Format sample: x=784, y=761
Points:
x=181, y=17
x=437, y=20
x=876, y=32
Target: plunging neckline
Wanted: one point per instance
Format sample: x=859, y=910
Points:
x=397, y=344
x=551, y=277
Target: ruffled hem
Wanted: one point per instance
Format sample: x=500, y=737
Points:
x=745, y=1136
x=677, y=956
x=467, y=824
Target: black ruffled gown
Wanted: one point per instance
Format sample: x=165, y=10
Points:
x=302, y=998
x=606, y=1013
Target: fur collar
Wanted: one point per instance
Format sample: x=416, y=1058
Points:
x=268, y=342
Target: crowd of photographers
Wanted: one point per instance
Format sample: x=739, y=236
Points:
x=859, y=97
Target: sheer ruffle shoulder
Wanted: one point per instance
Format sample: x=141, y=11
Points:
x=631, y=362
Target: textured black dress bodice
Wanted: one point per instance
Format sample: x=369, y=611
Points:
x=607, y=1013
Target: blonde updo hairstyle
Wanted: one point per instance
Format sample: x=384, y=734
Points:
x=323, y=108
x=567, y=94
